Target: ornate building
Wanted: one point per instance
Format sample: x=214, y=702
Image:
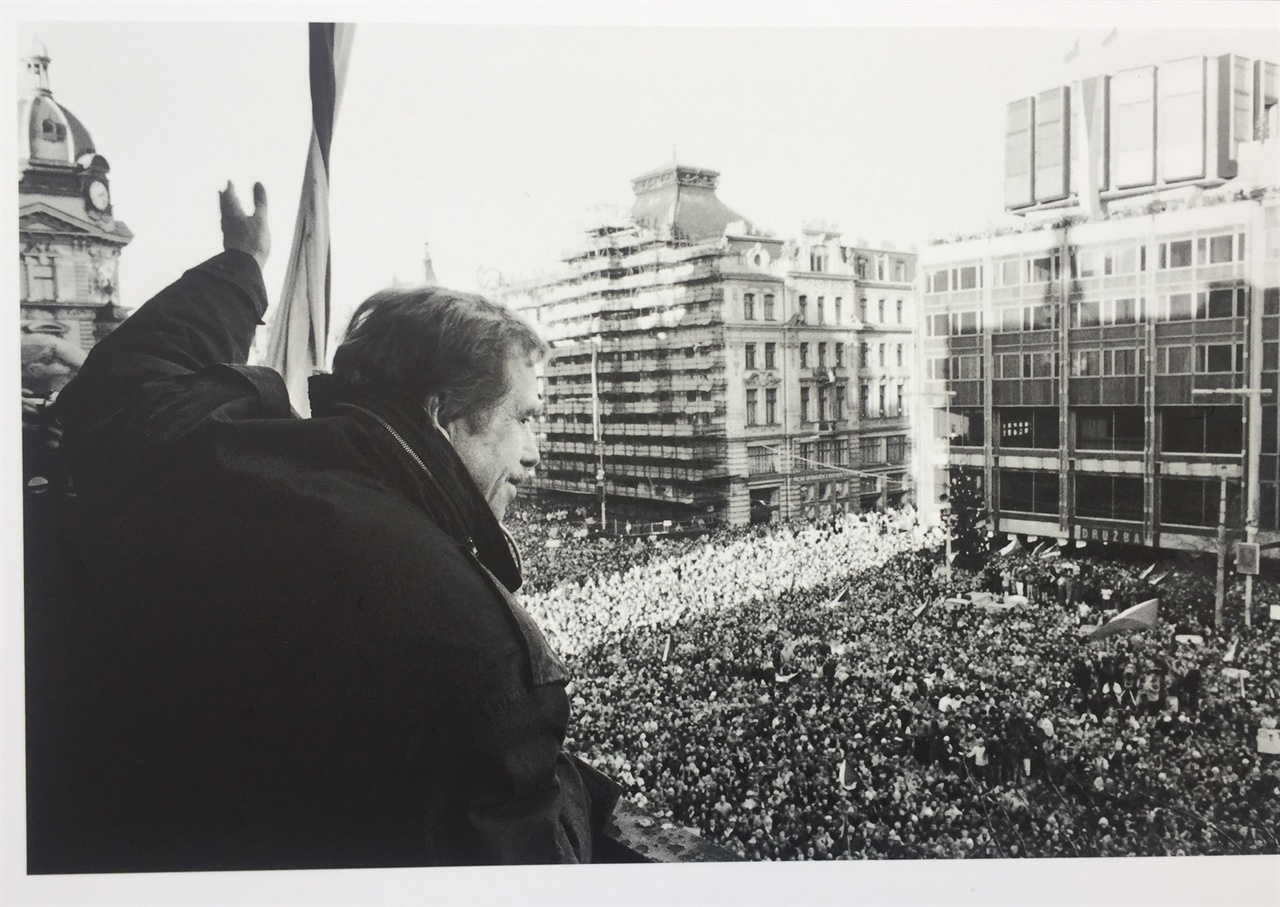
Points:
x=70, y=241
x=704, y=368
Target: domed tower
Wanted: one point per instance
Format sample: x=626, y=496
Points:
x=70, y=241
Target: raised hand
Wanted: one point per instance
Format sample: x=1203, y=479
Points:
x=245, y=232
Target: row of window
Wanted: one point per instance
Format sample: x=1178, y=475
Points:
x=1125, y=258
x=836, y=359
x=1181, y=429
x=827, y=403
x=1197, y=359
x=765, y=308
x=1221, y=302
x=1182, y=501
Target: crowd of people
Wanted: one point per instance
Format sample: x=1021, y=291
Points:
x=807, y=691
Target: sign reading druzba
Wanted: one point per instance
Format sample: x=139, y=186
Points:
x=1098, y=532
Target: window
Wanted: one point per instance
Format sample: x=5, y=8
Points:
x=1178, y=307
x=1086, y=263
x=768, y=307
x=751, y=406
x=864, y=400
x=805, y=414
x=1222, y=302
x=901, y=409
x=1174, y=360
x=873, y=451
x=771, y=406
x=862, y=309
x=802, y=310
x=818, y=259
x=1029, y=427
x=860, y=266
x=1086, y=314
x=880, y=354
x=1109, y=497
x=770, y=355
x=839, y=313
x=1122, y=362
x=39, y=281
x=939, y=280
x=1009, y=365
x=1086, y=363
x=1028, y=492
x=1125, y=311
x=880, y=409
x=839, y=355
x=1191, y=502
x=966, y=322
x=967, y=426
x=1201, y=429
x=899, y=356
x=804, y=355
x=880, y=312
x=1213, y=250
x=1043, y=269
x=1175, y=254
x=899, y=311
x=966, y=368
x=1219, y=357
x=1040, y=318
x=749, y=306
x=1122, y=260
x=761, y=460
x=899, y=271
x=1042, y=364
x=838, y=411
x=896, y=449
x=865, y=354
x=822, y=404
x=879, y=267
x=750, y=350
x=1011, y=272
x=1109, y=428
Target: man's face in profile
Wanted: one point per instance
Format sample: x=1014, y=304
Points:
x=501, y=453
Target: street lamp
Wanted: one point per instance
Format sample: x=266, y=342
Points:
x=1250, y=466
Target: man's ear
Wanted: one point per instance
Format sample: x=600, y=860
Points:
x=433, y=410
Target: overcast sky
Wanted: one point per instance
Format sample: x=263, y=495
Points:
x=498, y=144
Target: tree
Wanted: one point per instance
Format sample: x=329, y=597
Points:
x=967, y=520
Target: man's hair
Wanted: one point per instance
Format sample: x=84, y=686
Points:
x=428, y=341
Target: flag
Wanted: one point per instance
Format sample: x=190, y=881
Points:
x=1012, y=547
x=298, y=339
x=1139, y=617
x=1049, y=553
x=845, y=781
x=1145, y=573
x=920, y=609
x=1155, y=580
x=1092, y=144
x=1111, y=36
x=1230, y=654
x=1073, y=52
x=839, y=598
x=666, y=649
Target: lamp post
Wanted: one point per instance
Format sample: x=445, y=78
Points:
x=944, y=500
x=1250, y=464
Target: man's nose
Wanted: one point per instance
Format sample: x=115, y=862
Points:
x=530, y=457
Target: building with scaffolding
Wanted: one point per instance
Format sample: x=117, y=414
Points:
x=703, y=368
x=1108, y=370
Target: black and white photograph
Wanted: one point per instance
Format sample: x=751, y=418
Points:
x=769, y=453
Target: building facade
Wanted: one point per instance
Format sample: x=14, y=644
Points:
x=704, y=368
x=1108, y=371
x=69, y=239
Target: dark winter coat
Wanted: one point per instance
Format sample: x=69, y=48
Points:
x=304, y=650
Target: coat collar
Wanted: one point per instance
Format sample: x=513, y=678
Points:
x=444, y=487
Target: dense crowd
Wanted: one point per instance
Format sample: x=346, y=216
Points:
x=806, y=691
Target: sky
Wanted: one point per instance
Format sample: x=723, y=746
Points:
x=497, y=133
x=498, y=144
